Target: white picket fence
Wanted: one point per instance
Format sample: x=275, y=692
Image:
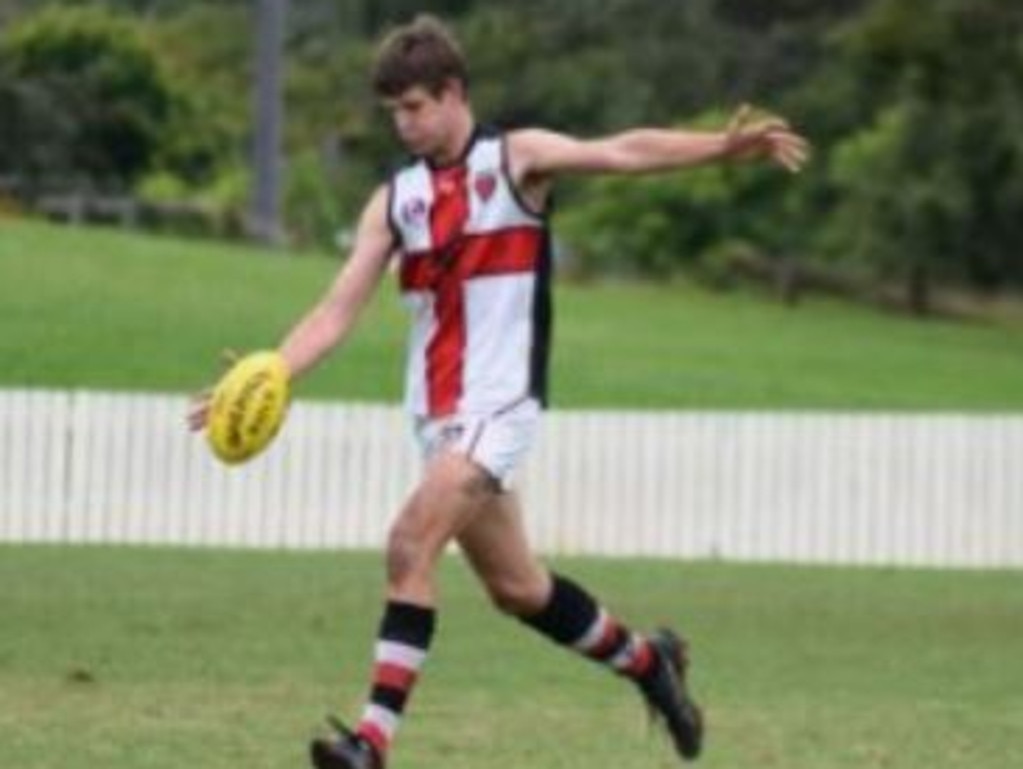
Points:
x=941, y=490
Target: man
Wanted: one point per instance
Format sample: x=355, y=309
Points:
x=467, y=223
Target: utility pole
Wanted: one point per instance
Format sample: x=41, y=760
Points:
x=264, y=220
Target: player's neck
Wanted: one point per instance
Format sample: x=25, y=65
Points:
x=464, y=126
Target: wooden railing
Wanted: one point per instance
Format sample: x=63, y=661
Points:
x=932, y=489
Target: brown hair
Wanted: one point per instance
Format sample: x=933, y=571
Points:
x=421, y=53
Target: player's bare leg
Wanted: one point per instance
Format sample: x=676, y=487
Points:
x=453, y=492
x=496, y=546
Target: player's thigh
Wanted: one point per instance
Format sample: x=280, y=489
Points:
x=452, y=492
x=496, y=546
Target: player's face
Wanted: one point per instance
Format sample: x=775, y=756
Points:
x=422, y=120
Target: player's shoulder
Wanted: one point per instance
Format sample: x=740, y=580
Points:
x=531, y=150
x=536, y=140
x=529, y=135
x=520, y=142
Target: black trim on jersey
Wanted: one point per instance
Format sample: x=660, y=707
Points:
x=516, y=193
x=392, y=221
x=543, y=321
x=407, y=162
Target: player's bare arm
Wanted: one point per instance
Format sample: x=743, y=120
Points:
x=536, y=155
x=330, y=321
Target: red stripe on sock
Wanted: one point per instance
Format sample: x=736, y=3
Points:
x=642, y=659
x=395, y=676
x=372, y=734
x=608, y=639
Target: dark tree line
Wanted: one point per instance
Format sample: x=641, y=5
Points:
x=914, y=107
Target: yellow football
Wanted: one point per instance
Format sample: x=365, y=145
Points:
x=248, y=406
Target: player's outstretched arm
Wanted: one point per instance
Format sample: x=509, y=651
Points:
x=330, y=321
x=750, y=135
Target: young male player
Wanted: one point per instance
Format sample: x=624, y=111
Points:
x=466, y=221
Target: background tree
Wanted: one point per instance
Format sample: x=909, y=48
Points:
x=915, y=108
x=928, y=187
x=85, y=98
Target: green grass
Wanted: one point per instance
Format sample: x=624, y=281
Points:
x=104, y=309
x=153, y=659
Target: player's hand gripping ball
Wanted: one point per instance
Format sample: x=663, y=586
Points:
x=248, y=406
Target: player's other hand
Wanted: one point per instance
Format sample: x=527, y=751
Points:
x=199, y=410
x=199, y=403
x=757, y=134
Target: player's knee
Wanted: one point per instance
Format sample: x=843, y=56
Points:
x=518, y=599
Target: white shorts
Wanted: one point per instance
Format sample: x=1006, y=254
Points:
x=497, y=442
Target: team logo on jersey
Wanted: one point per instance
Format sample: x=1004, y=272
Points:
x=485, y=183
x=413, y=211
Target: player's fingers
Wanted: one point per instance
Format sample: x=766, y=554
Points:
x=198, y=410
x=803, y=151
x=793, y=159
x=790, y=165
x=772, y=127
x=790, y=142
x=799, y=145
x=198, y=417
x=791, y=150
x=197, y=420
x=787, y=157
x=795, y=140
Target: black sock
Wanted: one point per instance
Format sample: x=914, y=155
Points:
x=573, y=618
x=404, y=639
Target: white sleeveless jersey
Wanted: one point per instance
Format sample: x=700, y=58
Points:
x=475, y=274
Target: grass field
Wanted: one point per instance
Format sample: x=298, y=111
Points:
x=105, y=309
x=158, y=659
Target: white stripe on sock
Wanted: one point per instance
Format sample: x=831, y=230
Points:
x=593, y=636
x=384, y=719
x=626, y=656
x=395, y=653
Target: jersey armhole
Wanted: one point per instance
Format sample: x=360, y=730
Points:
x=392, y=222
x=516, y=193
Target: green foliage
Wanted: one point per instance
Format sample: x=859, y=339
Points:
x=650, y=226
x=914, y=106
x=900, y=205
x=526, y=69
x=666, y=224
x=311, y=202
x=930, y=185
x=202, y=156
x=84, y=96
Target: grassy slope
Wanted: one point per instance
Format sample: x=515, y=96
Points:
x=103, y=309
x=161, y=659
